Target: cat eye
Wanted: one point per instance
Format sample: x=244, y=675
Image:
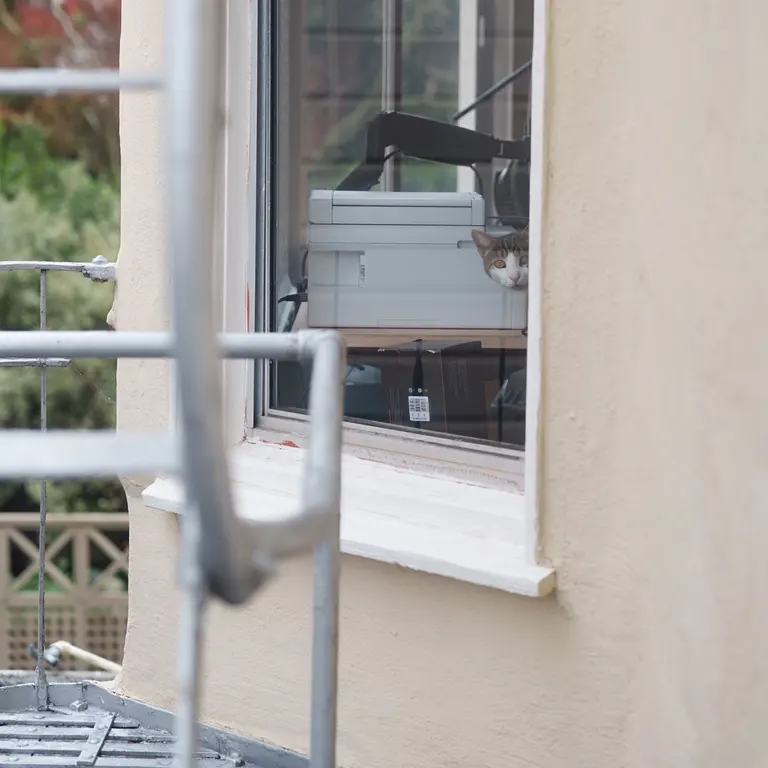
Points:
x=499, y=264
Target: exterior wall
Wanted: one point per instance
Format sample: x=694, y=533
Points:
x=654, y=444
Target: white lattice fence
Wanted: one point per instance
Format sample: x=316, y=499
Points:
x=86, y=584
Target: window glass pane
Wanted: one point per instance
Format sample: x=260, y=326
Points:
x=373, y=215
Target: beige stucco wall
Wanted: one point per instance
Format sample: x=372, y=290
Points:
x=655, y=440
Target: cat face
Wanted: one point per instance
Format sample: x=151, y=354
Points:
x=505, y=257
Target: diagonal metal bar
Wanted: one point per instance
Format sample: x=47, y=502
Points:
x=90, y=752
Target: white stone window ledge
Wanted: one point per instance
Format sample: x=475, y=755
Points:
x=429, y=523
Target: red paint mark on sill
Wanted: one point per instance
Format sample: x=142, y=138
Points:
x=282, y=443
x=248, y=308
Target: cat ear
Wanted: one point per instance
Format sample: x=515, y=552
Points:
x=482, y=240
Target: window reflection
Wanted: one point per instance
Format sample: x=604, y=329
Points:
x=433, y=317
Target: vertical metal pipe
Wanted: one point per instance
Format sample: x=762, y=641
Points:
x=261, y=172
x=187, y=187
x=190, y=629
x=325, y=645
x=326, y=406
x=193, y=32
x=41, y=681
x=292, y=18
x=391, y=79
x=193, y=119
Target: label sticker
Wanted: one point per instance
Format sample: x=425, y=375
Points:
x=418, y=408
x=361, y=272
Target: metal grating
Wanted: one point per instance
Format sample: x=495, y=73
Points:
x=87, y=725
x=78, y=735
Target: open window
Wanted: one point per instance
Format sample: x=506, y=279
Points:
x=382, y=220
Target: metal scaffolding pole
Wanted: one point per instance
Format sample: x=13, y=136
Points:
x=223, y=555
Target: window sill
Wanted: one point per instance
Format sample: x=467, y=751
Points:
x=428, y=523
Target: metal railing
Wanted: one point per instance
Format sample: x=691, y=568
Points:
x=99, y=270
x=222, y=554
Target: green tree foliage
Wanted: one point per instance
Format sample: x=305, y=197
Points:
x=53, y=209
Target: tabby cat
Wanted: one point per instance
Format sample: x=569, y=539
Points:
x=505, y=257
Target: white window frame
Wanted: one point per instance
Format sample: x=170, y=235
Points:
x=481, y=461
x=468, y=31
x=491, y=535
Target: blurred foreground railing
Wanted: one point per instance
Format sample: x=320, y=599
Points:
x=101, y=271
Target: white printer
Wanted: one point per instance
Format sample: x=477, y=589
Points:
x=403, y=260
